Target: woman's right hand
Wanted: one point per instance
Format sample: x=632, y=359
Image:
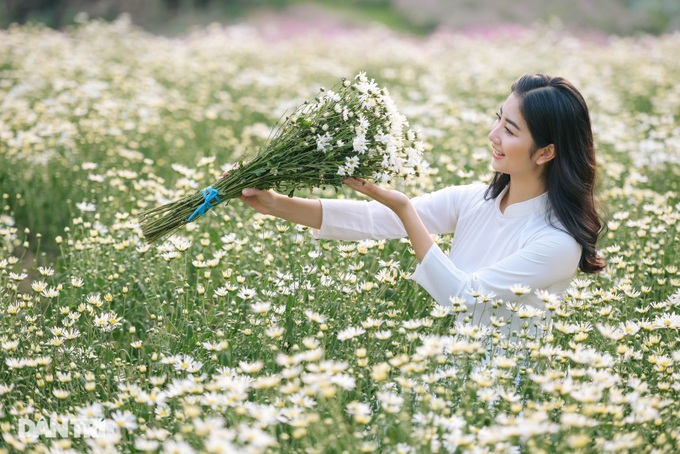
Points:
x=294, y=209
x=263, y=201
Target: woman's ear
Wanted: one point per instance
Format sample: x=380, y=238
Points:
x=545, y=154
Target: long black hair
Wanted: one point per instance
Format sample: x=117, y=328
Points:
x=557, y=114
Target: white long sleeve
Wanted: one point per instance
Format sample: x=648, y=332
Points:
x=356, y=220
x=527, y=266
x=491, y=251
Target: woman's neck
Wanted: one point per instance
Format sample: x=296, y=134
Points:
x=518, y=193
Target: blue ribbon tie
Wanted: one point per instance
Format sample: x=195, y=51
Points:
x=209, y=194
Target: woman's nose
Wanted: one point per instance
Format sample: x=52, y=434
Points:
x=492, y=134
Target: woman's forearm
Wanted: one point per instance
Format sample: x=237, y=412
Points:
x=298, y=210
x=294, y=209
x=421, y=240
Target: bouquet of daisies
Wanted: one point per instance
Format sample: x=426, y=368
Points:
x=351, y=130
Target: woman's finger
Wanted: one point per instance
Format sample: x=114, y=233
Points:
x=226, y=173
x=366, y=188
x=251, y=192
x=357, y=183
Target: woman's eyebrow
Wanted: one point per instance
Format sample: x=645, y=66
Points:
x=513, y=123
x=510, y=121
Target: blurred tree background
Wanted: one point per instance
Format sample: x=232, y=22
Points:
x=621, y=17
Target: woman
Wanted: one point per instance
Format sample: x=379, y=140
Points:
x=532, y=226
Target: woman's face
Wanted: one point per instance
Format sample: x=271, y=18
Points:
x=512, y=142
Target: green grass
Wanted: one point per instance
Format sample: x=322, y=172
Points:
x=244, y=329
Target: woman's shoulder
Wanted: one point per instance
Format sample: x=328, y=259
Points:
x=468, y=199
x=473, y=191
x=451, y=202
x=548, y=229
x=458, y=194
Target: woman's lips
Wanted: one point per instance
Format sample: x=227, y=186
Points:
x=497, y=154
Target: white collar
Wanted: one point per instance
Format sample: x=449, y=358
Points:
x=536, y=205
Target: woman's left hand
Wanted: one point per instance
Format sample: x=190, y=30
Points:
x=395, y=200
